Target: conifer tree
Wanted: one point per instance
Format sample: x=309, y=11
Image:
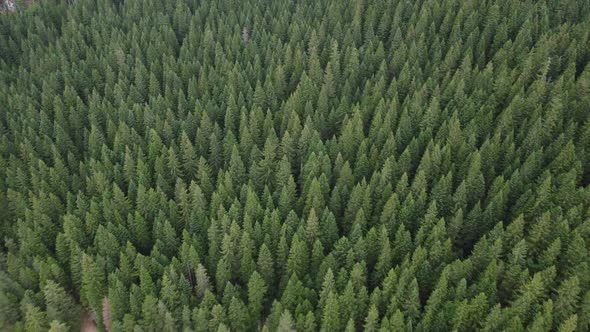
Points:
x=60, y=306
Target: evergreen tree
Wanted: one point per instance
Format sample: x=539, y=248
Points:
x=256, y=292
x=331, y=314
x=60, y=306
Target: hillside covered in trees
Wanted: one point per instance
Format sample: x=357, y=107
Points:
x=218, y=165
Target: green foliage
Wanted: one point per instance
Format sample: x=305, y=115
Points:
x=279, y=166
x=60, y=306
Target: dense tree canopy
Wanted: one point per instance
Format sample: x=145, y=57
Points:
x=289, y=165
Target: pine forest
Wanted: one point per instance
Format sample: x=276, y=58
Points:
x=256, y=165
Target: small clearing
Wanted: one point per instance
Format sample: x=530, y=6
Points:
x=88, y=324
x=89, y=318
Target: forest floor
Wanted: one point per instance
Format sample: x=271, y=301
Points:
x=106, y=313
x=89, y=323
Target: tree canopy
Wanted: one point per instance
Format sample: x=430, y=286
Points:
x=289, y=165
